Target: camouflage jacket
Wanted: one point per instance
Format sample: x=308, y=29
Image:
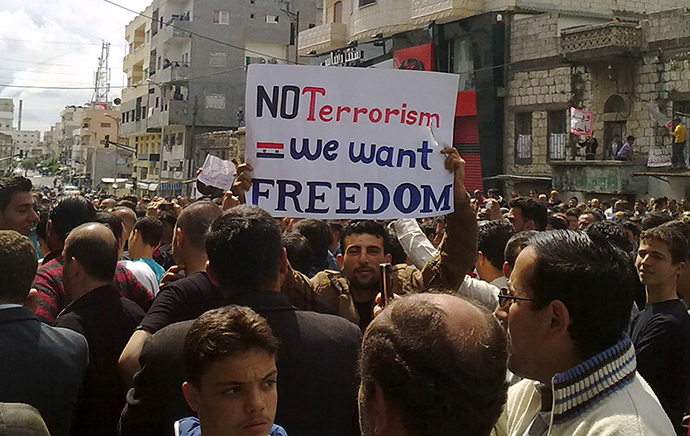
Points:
x=329, y=291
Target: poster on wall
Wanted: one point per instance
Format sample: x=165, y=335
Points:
x=349, y=142
x=659, y=157
x=414, y=58
x=581, y=122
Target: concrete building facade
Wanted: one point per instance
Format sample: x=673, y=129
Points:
x=194, y=78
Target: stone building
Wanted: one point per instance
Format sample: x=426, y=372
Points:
x=623, y=70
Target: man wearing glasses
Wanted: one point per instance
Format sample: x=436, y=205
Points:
x=566, y=312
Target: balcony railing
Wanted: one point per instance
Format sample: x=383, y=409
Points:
x=426, y=11
x=321, y=39
x=601, y=41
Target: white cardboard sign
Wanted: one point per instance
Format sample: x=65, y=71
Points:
x=330, y=142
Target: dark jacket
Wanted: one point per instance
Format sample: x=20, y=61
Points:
x=317, y=360
x=107, y=321
x=42, y=366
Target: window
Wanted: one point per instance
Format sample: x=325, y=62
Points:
x=523, y=138
x=682, y=109
x=251, y=15
x=84, y=126
x=461, y=62
x=363, y=3
x=221, y=17
x=154, y=22
x=273, y=19
x=558, y=136
x=105, y=125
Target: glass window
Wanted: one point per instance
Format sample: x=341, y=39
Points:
x=523, y=138
x=221, y=17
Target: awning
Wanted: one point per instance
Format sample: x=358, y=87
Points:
x=110, y=180
x=153, y=186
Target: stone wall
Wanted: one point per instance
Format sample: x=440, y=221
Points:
x=534, y=37
x=667, y=25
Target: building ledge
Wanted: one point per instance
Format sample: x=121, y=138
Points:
x=666, y=172
x=606, y=163
x=602, y=42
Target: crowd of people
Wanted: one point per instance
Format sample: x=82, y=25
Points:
x=159, y=316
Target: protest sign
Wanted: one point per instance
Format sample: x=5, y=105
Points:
x=659, y=157
x=581, y=122
x=349, y=142
x=217, y=172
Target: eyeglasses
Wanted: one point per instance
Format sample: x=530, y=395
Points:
x=505, y=299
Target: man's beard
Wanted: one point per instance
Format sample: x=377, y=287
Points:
x=372, y=284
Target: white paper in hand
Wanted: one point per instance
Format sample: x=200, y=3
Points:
x=217, y=172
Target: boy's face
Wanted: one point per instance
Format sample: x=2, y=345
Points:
x=654, y=263
x=237, y=395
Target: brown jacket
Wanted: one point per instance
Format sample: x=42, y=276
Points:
x=329, y=291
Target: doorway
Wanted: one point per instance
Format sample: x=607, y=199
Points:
x=612, y=128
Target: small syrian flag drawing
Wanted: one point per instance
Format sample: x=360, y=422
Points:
x=270, y=150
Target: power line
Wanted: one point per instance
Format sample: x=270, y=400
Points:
x=207, y=37
x=57, y=42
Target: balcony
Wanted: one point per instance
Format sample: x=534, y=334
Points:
x=176, y=114
x=179, y=30
x=601, y=42
x=321, y=39
x=600, y=177
x=426, y=11
x=137, y=56
x=178, y=71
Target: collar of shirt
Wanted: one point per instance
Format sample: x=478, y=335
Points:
x=9, y=306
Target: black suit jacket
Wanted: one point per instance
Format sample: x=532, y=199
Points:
x=317, y=361
x=107, y=321
x=41, y=365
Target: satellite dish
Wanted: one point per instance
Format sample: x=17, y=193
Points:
x=117, y=101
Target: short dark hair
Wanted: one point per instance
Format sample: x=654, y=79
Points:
x=612, y=232
x=573, y=212
x=113, y=222
x=70, y=213
x=596, y=214
x=318, y=233
x=365, y=227
x=243, y=247
x=9, y=186
x=631, y=138
x=654, y=219
x=96, y=255
x=299, y=252
x=492, y=239
x=515, y=245
x=594, y=278
x=440, y=384
x=150, y=229
x=224, y=332
x=18, y=265
x=558, y=221
x=195, y=220
x=531, y=210
x=672, y=236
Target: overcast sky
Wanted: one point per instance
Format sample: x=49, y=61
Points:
x=57, y=43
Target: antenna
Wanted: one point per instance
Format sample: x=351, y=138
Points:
x=102, y=77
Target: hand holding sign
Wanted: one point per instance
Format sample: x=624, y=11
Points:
x=217, y=172
x=456, y=164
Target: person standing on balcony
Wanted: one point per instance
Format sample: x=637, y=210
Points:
x=680, y=155
x=626, y=152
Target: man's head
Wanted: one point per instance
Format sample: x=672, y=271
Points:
x=527, y=214
x=69, y=213
x=513, y=248
x=129, y=219
x=244, y=250
x=318, y=233
x=17, y=205
x=299, y=252
x=190, y=232
x=589, y=217
x=89, y=258
x=631, y=139
x=146, y=235
x=107, y=203
x=364, y=245
x=230, y=357
x=116, y=226
x=574, y=293
x=432, y=364
x=676, y=121
x=492, y=239
x=18, y=264
x=654, y=219
x=661, y=256
x=616, y=138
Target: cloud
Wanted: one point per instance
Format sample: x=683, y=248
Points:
x=57, y=43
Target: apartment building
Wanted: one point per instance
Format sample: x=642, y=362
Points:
x=475, y=39
x=6, y=115
x=194, y=77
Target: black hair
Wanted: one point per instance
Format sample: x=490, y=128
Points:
x=439, y=384
x=398, y=254
x=492, y=238
x=558, y=221
x=18, y=265
x=365, y=227
x=531, y=210
x=654, y=219
x=595, y=280
x=515, y=245
x=671, y=235
x=69, y=213
x=243, y=247
x=224, y=332
x=150, y=229
x=113, y=222
x=318, y=233
x=9, y=186
x=299, y=252
x=612, y=232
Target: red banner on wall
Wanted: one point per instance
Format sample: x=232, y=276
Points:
x=414, y=58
